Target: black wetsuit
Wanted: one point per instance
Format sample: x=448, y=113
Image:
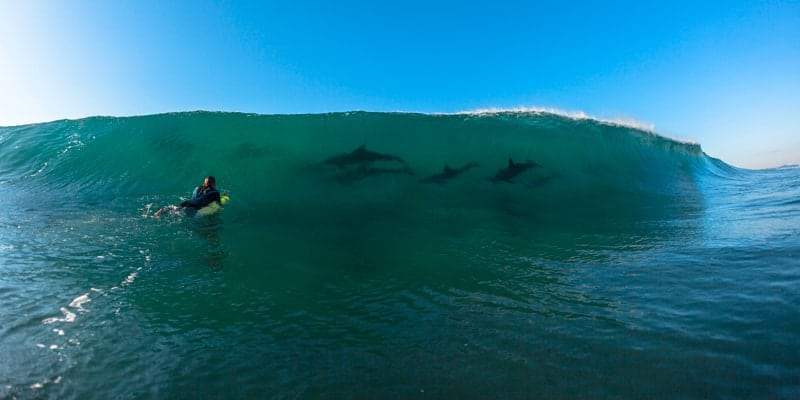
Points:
x=205, y=196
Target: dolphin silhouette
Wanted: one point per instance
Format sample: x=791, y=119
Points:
x=449, y=173
x=365, y=171
x=361, y=156
x=513, y=169
x=543, y=180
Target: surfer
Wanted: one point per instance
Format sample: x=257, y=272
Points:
x=202, y=196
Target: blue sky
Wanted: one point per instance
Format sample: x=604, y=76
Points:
x=723, y=73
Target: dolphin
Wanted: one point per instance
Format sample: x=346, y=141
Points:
x=543, y=180
x=361, y=156
x=449, y=173
x=513, y=169
x=365, y=171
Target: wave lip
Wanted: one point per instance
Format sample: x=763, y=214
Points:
x=575, y=115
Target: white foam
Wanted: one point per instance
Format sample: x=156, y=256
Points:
x=39, y=171
x=575, y=115
x=579, y=115
x=39, y=385
x=79, y=301
x=68, y=317
x=130, y=279
x=74, y=142
x=60, y=332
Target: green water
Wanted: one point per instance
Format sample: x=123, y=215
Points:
x=627, y=265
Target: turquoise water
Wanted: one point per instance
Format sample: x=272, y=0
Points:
x=626, y=265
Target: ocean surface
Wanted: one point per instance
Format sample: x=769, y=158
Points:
x=603, y=261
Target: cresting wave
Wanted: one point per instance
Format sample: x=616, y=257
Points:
x=532, y=155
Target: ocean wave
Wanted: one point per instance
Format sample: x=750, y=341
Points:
x=102, y=158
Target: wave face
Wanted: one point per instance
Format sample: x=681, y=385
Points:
x=273, y=160
x=384, y=255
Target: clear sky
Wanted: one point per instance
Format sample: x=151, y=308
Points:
x=725, y=74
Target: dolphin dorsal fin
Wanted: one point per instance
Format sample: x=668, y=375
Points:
x=510, y=163
x=363, y=147
x=447, y=168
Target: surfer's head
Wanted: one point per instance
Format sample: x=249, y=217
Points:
x=210, y=181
